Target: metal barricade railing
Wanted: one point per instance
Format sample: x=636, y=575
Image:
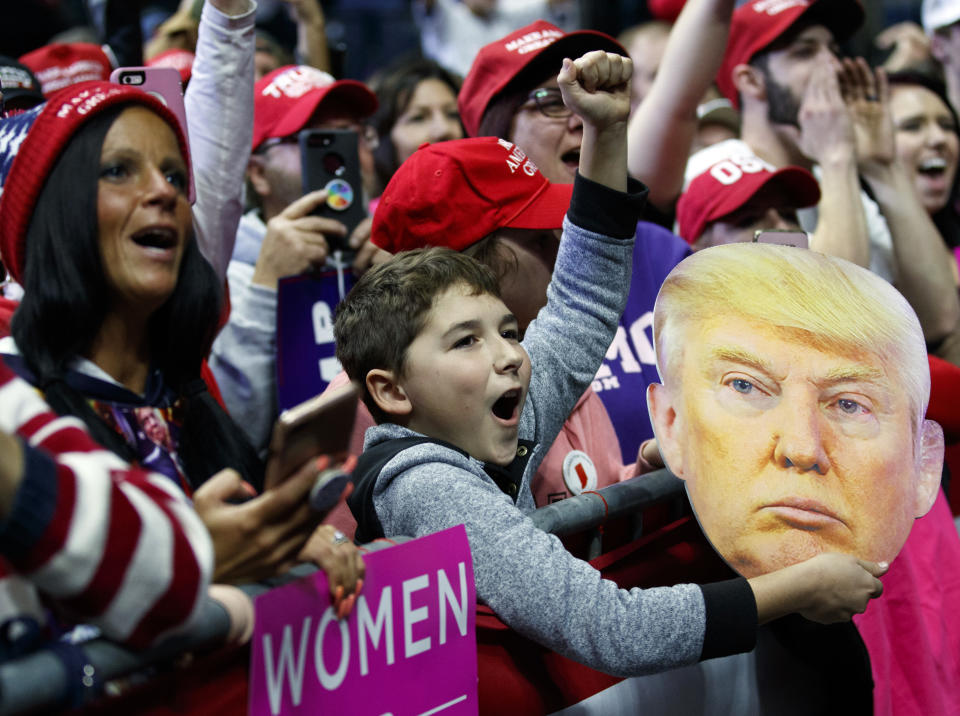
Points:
x=41, y=680
x=591, y=510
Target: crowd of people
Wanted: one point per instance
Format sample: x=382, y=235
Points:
x=529, y=190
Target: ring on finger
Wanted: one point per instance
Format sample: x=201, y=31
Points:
x=339, y=537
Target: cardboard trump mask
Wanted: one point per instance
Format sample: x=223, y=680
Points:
x=792, y=405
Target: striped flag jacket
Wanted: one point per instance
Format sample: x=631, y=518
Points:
x=91, y=538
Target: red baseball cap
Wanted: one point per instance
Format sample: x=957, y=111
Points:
x=539, y=45
x=759, y=23
x=180, y=60
x=455, y=193
x=285, y=99
x=63, y=64
x=729, y=184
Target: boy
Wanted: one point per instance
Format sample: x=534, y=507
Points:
x=445, y=362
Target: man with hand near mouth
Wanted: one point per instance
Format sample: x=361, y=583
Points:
x=802, y=105
x=792, y=403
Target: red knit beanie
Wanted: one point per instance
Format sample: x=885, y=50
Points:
x=31, y=143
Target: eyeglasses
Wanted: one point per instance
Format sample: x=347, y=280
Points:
x=365, y=134
x=550, y=103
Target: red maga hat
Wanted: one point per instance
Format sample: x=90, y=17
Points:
x=63, y=64
x=727, y=185
x=500, y=62
x=759, y=23
x=285, y=99
x=455, y=193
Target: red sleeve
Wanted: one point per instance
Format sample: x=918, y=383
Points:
x=111, y=544
x=945, y=397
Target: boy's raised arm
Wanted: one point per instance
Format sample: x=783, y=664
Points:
x=597, y=88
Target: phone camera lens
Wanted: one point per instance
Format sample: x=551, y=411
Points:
x=334, y=164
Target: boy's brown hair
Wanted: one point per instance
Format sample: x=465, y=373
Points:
x=387, y=308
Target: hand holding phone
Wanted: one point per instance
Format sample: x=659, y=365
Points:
x=319, y=426
x=329, y=160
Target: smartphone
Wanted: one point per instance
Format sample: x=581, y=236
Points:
x=164, y=84
x=783, y=237
x=319, y=426
x=329, y=160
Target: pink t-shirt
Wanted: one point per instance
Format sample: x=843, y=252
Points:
x=912, y=632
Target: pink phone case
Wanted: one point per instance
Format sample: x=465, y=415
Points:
x=164, y=84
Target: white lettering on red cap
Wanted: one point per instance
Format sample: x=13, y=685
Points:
x=85, y=101
x=533, y=41
x=517, y=159
x=731, y=170
x=53, y=79
x=775, y=7
x=297, y=82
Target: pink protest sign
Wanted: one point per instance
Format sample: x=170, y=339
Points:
x=408, y=648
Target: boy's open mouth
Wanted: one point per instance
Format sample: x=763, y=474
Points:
x=505, y=407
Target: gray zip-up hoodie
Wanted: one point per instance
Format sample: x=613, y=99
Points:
x=524, y=574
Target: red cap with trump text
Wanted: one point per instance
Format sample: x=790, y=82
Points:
x=455, y=193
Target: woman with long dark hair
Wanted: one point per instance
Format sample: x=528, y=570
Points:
x=928, y=146
x=120, y=308
x=928, y=142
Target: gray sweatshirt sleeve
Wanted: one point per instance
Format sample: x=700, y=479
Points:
x=536, y=586
x=587, y=293
x=525, y=575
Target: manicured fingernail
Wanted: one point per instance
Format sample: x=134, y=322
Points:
x=350, y=601
x=359, y=587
